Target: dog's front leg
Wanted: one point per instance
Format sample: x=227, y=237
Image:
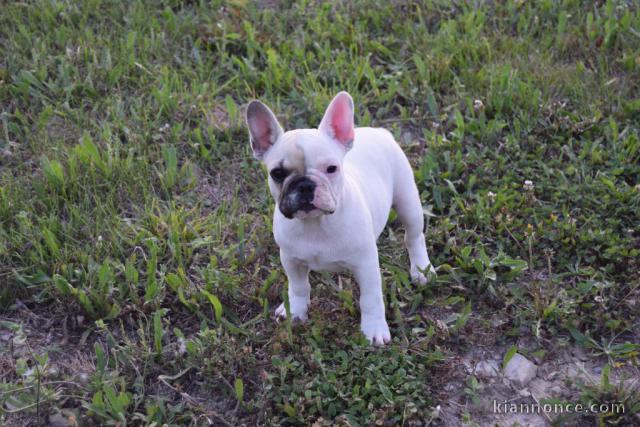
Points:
x=372, y=322
x=299, y=289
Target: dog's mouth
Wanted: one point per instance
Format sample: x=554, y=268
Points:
x=307, y=207
x=307, y=211
x=301, y=211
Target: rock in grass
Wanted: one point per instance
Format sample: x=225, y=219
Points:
x=520, y=370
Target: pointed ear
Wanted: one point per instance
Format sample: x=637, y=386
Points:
x=338, y=120
x=264, y=129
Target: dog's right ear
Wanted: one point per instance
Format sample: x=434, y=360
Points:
x=264, y=129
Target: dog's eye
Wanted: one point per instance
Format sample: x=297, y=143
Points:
x=278, y=174
x=332, y=169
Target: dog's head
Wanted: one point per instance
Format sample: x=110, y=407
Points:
x=305, y=165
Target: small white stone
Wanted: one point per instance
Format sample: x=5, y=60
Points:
x=524, y=392
x=182, y=346
x=83, y=378
x=520, y=370
x=541, y=389
x=487, y=369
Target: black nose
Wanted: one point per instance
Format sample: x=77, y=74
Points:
x=306, y=188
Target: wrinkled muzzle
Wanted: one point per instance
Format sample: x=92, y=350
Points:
x=306, y=195
x=298, y=195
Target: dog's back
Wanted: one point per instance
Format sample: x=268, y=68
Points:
x=377, y=159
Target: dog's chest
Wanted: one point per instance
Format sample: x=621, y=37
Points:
x=318, y=249
x=323, y=261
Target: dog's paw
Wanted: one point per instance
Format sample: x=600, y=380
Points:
x=419, y=277
x=281, y=314
x=376, y=331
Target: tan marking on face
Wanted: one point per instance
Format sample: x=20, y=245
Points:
x=294, y=159
x=291, y=158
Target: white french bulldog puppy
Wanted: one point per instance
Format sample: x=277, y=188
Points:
x=334, y=187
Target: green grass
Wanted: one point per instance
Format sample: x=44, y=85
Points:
x=134, y=221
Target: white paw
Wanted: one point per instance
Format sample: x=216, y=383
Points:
x=376, y=331
x=419, y=277
x=281, y=314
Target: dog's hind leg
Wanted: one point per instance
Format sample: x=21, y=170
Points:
x=406, y=202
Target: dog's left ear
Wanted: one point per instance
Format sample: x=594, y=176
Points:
x=337, y=122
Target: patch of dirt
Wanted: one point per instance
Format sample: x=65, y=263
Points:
x=211, y=192
x=28, y=334
x=218, y=117
x=60, y=129
x=561, y=377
